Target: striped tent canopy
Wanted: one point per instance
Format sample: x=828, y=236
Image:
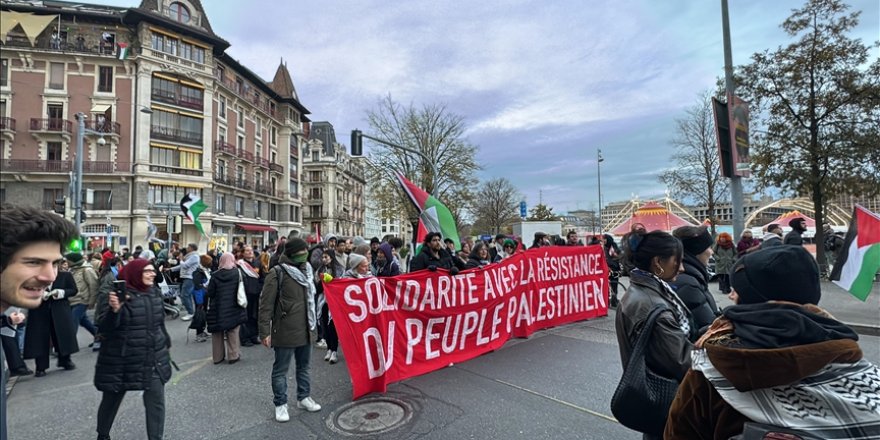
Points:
x=654, y=216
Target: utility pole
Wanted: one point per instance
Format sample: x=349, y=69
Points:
x=78, y=172
x=599, y=160
x=736, y=191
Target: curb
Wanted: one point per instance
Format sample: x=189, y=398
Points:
x=864, y=329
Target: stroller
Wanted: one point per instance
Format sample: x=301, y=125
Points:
x=170, y=293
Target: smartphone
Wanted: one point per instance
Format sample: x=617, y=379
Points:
x=119, y=288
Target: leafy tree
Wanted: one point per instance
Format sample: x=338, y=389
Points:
x=436, y=133
x=817, y=105
x=541, y=213
x=495, y=206
x=697, y=171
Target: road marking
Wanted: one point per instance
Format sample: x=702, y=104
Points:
x=551, y=398
x=199, y=364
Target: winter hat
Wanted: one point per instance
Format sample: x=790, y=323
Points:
x=74, y=257
x=295, y=246
x=354, y=260
x=783, y=273
x=694, y=240
x=375, y=240
x=509, y=242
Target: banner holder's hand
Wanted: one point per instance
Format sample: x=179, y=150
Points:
x=267, y=342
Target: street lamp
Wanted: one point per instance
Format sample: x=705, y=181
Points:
x=599, y=176
x=357, y=150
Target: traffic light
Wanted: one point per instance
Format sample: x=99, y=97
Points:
x=76, y=245
x=60, y=205
x=357, y=143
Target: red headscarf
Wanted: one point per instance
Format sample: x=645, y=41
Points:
x=133, y=274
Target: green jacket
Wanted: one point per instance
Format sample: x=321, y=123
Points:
x=724, y=259
x=290, y=317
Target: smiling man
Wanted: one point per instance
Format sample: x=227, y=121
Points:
x=30, y=251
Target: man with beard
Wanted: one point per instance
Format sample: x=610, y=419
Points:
x=433, y=255
x=795, y=236
x=30, y=252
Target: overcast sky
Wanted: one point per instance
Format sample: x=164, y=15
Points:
x=541, y=84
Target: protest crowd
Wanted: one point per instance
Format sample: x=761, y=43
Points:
x=773, y=361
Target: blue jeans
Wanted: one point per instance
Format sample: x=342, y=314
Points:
x=80, y=318
x=186, y=295
x=279, y=372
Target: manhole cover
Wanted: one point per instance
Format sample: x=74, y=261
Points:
x=370, y=416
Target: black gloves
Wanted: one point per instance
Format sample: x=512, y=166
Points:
x=453, y=271
x=432, y=268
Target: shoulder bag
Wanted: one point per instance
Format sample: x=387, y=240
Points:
x=241, y=297
x=642, y=399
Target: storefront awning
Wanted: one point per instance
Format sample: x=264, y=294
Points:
x=100, y=108
x=255, y=228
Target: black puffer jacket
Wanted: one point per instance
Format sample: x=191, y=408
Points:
x=134, y=343
x=692, y=287
x=426, y=259
x=223, y=310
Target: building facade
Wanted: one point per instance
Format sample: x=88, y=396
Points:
x=167, y=112
x=333, y=186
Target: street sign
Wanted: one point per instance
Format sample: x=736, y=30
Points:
x=522, y=209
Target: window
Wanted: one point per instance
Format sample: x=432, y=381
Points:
x=4, y=72
x=316, y=155
x=221, y=168
x=221, y=107
x=56, y=116
x=294, y=191
x=273, y=183
x=169, y=195
x=273, y=156
x=105, y=79
x=240, y=117
x=273, y=212
x=56, y=76
x=258, y=207
x=273, y=137
x=53, y=151
x=176, y=127
x=239, y=173
x=259, y=133
x=240, y=142
x=258, y=178
x=219, y=202
x=174, y=92
x=50, y=195
x=178, y=12
x=239, y=206
x=175, y=161
x=102, y=200
x=221, y=134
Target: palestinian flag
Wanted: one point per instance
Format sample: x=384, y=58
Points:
x=434, y=216
x=859, y=260
x=192, y=205
x=121, y=51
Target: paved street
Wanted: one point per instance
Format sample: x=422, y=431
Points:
x=555, y=385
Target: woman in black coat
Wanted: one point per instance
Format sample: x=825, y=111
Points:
x=479, y=257
x=52, y=321
x=134, y=350
x=224, y=314
x=692, y=286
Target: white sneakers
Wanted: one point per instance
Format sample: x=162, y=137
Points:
x=281, y=413
x=333, y=358
x=186, y=317
x=307, y=404
x=327, y=356
x=321, y=344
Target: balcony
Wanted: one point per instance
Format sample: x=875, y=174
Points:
x=276, y=168
x=94, y=45
x=176, y=170
x=224, y=148
x=170, y=97
x=245, y=155
x=175, y=134
x=109, y=127
x=59, y=126
x=64, y=166
x=223, y=179
x=265, y=189
x=313, y=200
x=244, y=183
x=7, y=124
x=262, y=162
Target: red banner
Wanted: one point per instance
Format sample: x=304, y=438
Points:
x=399, y=327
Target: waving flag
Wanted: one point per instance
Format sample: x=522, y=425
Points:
x=859, y=260
x=192, y=205
x=434, y=216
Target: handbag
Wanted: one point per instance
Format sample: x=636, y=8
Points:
x=642, y=399
x=241, y=297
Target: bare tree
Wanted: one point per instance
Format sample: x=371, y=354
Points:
x=437, y=134
x=697, y=171
x=495, y=206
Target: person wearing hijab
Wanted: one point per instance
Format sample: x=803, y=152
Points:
x=224, y=315
x=134, y=351
x=253, y=273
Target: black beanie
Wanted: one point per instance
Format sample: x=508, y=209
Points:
x=697, y=244
x=796, y=222
x=74, y=257
x=783, y=273
x=295, y=246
